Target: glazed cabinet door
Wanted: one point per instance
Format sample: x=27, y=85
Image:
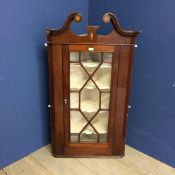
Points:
x=90, y=85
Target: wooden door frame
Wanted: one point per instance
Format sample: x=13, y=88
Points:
x=90, y=149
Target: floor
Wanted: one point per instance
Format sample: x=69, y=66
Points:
x=42, y=163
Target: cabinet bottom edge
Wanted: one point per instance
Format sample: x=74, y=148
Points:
x=87, y=156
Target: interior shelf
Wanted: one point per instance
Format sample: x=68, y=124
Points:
x=103, y=83
x=89, y=106
x=105, y=89
x=91, y=65
x=100, y=122
x=90, y=102
x=89, y=137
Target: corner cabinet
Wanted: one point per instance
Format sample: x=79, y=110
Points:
x=89, y=77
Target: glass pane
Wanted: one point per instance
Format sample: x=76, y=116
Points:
x=88, y=114
x=77, y=121
x=105, y=100
x=74, y=56
x=77, y=76
x=100, y=122
x=103, y=76
x=74, y=100
x=90, y=60
x=107, y=57
x=103, y=138
x=92, y=94
x=90, y=98
x=88, y=135
x=74, y=137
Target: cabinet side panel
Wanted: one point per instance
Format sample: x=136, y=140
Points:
x=128, y=90
x=56, y=98
x=123, y=87
x=115, y=70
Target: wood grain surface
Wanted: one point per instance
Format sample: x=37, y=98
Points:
x=42, y=162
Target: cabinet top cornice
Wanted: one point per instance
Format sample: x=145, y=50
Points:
x=65, y=34
x=107, y=17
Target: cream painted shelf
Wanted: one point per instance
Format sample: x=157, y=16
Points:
x=89, y=101
x=92, y=65
x=100, y=122
x=90, y=106
x=103, y=83
x=107, y=88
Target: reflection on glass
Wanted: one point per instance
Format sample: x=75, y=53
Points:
x=74, y=137
x=74, y=56
x=90, y=57
x=107, y=57
x=88, y=137
x=103, y=138
x=90, y=60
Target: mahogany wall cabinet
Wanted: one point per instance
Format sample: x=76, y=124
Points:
x=89, y=78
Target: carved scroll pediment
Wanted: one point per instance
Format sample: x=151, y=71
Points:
x=72, y=17
x=108, y=17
